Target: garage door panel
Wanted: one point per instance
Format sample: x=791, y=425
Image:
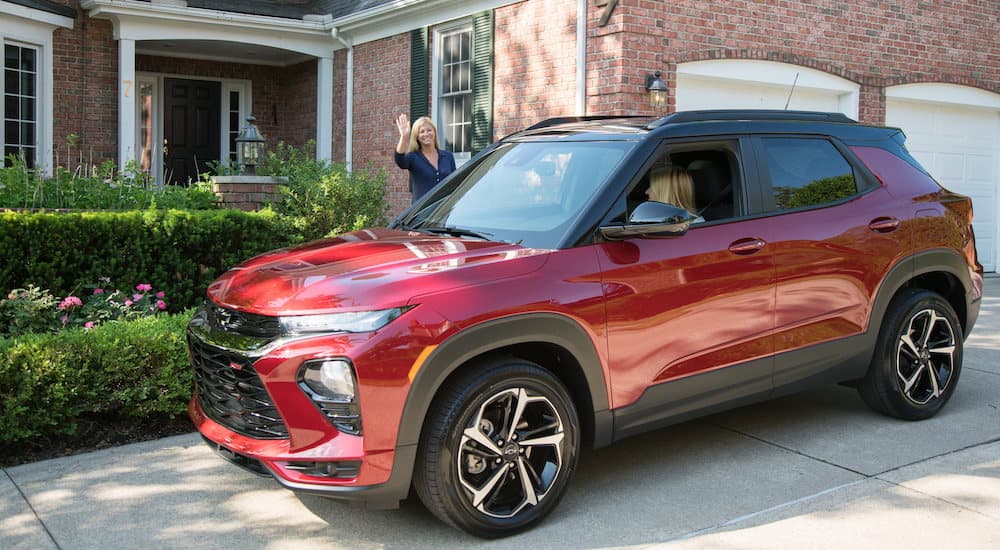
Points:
x=696, y=92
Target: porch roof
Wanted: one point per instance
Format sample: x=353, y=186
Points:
x=289, y=9
x=51, y=7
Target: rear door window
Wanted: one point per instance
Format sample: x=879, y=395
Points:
x=804, y=172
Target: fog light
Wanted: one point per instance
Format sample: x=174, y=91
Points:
x=330, y=379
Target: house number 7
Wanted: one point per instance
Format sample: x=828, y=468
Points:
x=128, y=87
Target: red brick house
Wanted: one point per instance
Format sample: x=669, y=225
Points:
x=168, y=83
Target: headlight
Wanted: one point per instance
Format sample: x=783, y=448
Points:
x=357, y=321
x=330, y=379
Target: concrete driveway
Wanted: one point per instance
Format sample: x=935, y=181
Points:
x=816, y=470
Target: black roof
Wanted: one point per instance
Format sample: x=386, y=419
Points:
x=47, y=6
x=289, y=9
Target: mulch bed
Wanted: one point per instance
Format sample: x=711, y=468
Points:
x=93, y=433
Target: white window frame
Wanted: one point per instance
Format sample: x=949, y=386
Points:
x=26, y=27
x=437, y=113
x=244, y=87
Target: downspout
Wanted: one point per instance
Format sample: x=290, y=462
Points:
x=581, y=57
x=349, y=110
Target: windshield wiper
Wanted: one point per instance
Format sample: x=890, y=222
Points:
x=457, y=232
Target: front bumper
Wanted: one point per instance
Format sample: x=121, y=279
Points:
x=382, y=479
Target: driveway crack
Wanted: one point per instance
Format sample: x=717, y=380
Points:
x=34, y=512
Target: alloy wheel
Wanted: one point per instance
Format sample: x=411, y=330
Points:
x=925, y=356
x=510, y=453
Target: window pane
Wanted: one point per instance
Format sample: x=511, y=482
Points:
x=807, y=172
x=27, y=84
x=11, y=56
x=12, y=82
x=27, y=59
x=27, y=109
x=27, y=133
x=12, y=107
x=11, y=134
x=464, y=79
x=466, y=46
x=29, y=156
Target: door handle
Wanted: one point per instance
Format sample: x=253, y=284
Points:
x=883, y=225
x=747, y=246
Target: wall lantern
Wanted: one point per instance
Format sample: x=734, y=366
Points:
x=249, y=146
x=657, y=90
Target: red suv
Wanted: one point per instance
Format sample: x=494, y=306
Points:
x=543, y=298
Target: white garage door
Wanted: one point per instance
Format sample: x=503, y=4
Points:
x=959, y=144
x=750, y=84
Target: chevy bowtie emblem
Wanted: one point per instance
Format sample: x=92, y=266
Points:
x=235, y=366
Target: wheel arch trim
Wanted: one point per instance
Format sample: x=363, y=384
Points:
x=528, y=328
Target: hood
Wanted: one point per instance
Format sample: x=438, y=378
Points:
x=365, y=270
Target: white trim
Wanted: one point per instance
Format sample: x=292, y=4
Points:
x=146, y=21
x=581, y=57
x=222, y=58
x=777, y=73
x=35, y=16
x=34, y=28
x=324, y=108
x=938, y=92
x=126, y=103
x=463, y=25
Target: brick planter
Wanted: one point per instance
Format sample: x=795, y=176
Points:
x=246, y=192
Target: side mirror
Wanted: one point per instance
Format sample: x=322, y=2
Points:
x=651, y=219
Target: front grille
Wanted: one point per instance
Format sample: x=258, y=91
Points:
x=231, y=393
x=240, y=322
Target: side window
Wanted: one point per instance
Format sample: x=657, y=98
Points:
x=806, y=172
x=20, y=106
x=704, y=181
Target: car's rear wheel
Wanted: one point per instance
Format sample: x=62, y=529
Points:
x=918, y=357
x=499, y=448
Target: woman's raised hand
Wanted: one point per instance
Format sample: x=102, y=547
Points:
x=403, y=124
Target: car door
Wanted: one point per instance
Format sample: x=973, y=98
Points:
x=690, y=318
x=836, y=232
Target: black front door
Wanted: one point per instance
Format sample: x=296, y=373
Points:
x=190, y=128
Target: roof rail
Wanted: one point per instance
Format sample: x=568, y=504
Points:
x=569, y=119
x=750, y=114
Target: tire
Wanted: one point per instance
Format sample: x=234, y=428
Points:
x=474, y=472
x=918, y=357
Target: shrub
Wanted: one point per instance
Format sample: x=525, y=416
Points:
x=26, y=310
x=179, y=252
x=133, y=368
x=323, y=198
x=101, y=187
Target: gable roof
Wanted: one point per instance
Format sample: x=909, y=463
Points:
x=46, y=6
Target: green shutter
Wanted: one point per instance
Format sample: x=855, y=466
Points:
x=482, y=80
x=419, y=74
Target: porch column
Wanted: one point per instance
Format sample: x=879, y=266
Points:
x=324, y=108
x=126, y=101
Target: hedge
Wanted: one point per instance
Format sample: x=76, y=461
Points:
x=134, y=369
x=179, y=252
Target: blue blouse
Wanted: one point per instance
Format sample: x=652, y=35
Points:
x=423, y=176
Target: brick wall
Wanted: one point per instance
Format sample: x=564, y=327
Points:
x=875, y=44
x=381, y=92
x=297, y=106
x=534, y=69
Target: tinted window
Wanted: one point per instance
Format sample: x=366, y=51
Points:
x=807, y=172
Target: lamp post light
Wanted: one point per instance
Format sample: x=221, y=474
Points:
x=657, y=90
x=249, y=146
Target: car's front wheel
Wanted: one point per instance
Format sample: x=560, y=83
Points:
x=499, y=448
x=918, y=357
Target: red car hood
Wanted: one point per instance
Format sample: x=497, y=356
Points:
x=365, y=270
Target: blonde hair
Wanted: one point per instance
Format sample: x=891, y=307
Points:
x=672, y=185
x=415, y=129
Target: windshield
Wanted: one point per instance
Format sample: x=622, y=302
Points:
x=528, y=192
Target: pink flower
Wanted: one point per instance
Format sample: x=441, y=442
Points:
x=137, y=297
x=70, y=302
x=88, y=324
x=143, y=287
x=128, y=303
x=98, y=291
x=161, y=305
x=160, y=294
x=64, y=319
